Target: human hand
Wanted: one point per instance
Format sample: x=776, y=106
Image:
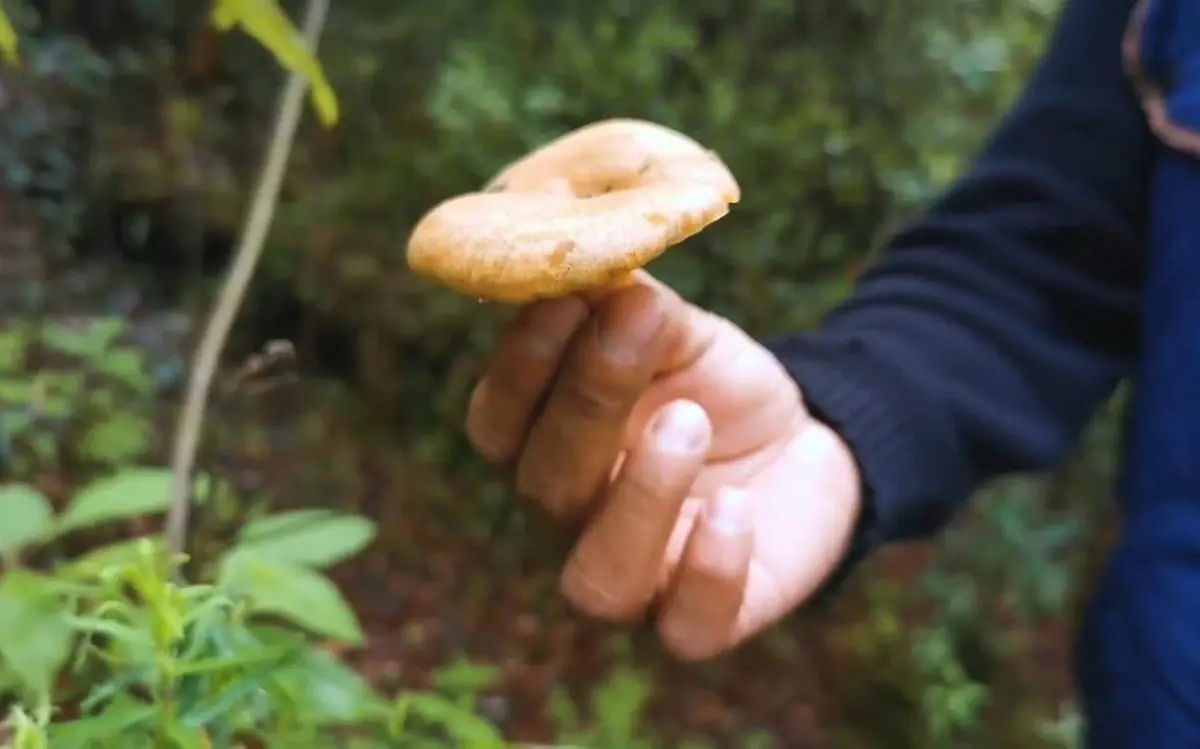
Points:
x=680, y=450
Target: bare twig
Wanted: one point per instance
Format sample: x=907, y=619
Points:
x=258, y=221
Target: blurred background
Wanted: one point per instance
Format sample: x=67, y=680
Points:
x=130, y=139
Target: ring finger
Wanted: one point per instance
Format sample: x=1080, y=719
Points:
x=614, y=571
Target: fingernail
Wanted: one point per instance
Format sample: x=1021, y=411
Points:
x=629, y=324
x=549, y=324
x=683, y=428
x=728, y=513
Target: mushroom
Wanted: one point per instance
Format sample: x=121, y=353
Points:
x=582, y=212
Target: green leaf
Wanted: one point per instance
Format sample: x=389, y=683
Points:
x=27, y=514
x=281, y=522
x=126, y=495
x=267, y=22
x=328, y=691
x=313, y=538
x=460, y=723
x=8, y=38
x=14, y=343
x=105, y=557
x=464, y=678
x=35, y=636
x=242, y=661
x=619, y=703
x=16, y=391
x=27, y=733
x=127, y=366
x=221, y=701
x=120, y=438
x=184, y=737
x=86, y=341
x=136, y=640
x=105, y=729
x=300, y=595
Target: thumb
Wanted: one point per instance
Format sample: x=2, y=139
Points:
x=759, y=552
x=701, y=610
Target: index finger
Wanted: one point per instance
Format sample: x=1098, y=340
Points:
x=614, y=571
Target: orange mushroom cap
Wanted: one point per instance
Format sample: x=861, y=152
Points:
x=579, y=213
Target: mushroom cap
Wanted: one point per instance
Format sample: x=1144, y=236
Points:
x=579, y=213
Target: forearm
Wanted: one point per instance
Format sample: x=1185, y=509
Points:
x=994, y=327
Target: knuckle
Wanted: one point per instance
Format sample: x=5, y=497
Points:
x=508, y=387
x=594, y=399
x=681, y=643
x=653, y=480
x=562, y=465
x=715, y=571
x=543, y=486
x=600, y=386
x=640, y=483
x=596, y=600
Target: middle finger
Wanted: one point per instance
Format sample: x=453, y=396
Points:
x=572, y=447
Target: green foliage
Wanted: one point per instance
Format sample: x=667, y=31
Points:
x=1012, y=515
x=264, y=20
x=37, y=635
x=318, y=538
x=152, y=661
x=617, y=706
x=1064, y=731
x=27, y=514
x=8, y=38
x=292, y=591
x=270, y=569
x=183, y=666
x=124, y=496
x=917, y=692
x=950, y=701
x=73, y=390
x=449, y=710
x=1003, y=572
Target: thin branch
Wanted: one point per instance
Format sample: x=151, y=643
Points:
x=254, y=233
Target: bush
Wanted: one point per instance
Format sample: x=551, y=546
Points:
x=113, y=649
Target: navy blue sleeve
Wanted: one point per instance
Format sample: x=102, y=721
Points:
x=994, y=327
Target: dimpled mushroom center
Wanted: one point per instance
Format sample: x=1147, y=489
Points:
x=592, y=175
x=581, y=212
x=603, y=182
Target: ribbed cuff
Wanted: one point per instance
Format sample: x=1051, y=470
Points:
x=908, y=457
